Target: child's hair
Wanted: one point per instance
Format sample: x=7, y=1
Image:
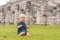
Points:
x=22, y=15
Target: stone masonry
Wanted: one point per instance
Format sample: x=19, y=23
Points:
x=37, y=12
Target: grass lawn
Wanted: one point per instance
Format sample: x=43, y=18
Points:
x=50, y=32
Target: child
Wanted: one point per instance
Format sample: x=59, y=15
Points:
x=21, y=26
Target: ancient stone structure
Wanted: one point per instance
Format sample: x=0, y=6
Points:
x=37, y=12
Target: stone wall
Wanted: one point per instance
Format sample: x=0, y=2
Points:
x=36, y=12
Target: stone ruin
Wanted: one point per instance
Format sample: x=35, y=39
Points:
x=36, y=12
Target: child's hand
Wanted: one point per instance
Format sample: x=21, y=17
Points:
x=19, y=26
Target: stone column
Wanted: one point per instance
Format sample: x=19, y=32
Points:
x=38, y=16
x=44, y=12
x=43, y=15
x=28, y=11
x=7, y=18
x=16, y=17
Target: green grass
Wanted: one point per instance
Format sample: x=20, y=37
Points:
x=50, y=32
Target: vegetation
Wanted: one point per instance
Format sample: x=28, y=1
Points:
x=39, y=32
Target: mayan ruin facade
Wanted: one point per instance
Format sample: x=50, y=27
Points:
x=37, y=12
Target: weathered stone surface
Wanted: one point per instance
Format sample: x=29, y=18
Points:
x=37, y=12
